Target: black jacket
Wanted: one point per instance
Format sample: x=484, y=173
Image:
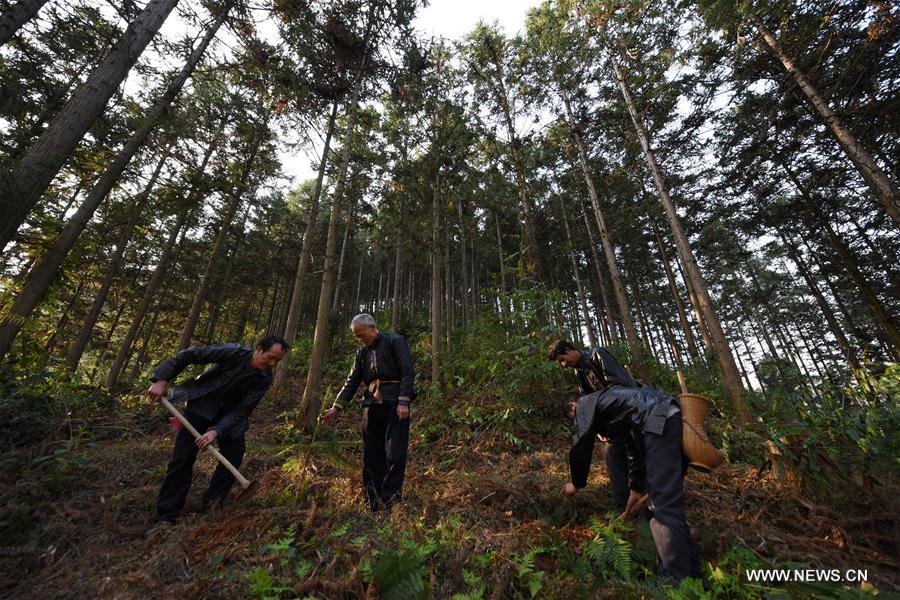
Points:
x=623, y=415
x=388, y=359
x=226, y=393
x=598, y=369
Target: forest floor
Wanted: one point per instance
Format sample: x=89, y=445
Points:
x=482, y=515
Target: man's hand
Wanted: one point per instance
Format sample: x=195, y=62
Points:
x=633, y=504
x=402, y=411
x=158, y=389
x=207, y=438
x=569, y=489
x=328, y=415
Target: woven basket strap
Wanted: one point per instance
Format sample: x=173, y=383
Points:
x=694, y=429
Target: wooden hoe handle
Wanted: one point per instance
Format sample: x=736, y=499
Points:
x=187, y=425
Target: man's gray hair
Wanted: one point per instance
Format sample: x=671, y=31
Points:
x=363, y=319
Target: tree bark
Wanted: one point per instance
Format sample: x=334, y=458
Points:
x=42, y=162
x=78, y=346
x=618, y=288
x=16, y=16
x=877, y=180
x=730, y=375
x=312, y=401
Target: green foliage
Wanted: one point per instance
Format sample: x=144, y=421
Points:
x=608, y=552
x=400, y=574
x=526, y=572
x=845, y=432
x=262, y=585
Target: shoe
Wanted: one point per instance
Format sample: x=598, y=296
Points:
x=159, y=527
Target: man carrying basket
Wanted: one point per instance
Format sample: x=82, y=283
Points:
x=648, y=425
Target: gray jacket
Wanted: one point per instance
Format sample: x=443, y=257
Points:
x=624, y=415
x=225, y=394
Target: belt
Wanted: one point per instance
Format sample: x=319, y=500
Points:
x=375, y=387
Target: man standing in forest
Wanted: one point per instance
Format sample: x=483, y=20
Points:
x=647, y=424
x=219, y=403
x=384, y=364
x=597, y=370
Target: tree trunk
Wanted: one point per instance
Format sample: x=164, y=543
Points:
x=878, y=181
x=219, y=301
x=304, y=259
x=340, y=271
x=137, y=206
x=609, y=322
x=577, y=271
x=395, y=303
x=504, y=302
x=16, y=16
x=312, y=401
x=142, y=353
x=606, y=241
x=838, y=333
x=676, y=295
x=447, y=307
x=362, y=263
x=161, y=266
x=43, y=275
x=215, y=256
x=436, y=283
x=464, y=265
x=882, y=318
x=104, y=347
x=532, y=255
x=42, y=162
x=730, y=375
x=50, y=345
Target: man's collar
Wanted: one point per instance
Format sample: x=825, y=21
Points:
x=585, y=362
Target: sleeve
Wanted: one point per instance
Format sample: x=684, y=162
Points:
x=201, y=355
x=352, y=384
x=404, y=360
x=637, y=469
x=242, y=409
x=580, y=459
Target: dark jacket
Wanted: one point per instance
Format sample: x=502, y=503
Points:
x=226, y=393
x=388, y=359
x=598, y=370
x=624, y=415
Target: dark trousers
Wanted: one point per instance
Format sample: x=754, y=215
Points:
x=385, y=440
x=180, y=471
x=665, y=484
x=617, y=471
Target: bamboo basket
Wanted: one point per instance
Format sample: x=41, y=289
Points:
x=695, y=444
